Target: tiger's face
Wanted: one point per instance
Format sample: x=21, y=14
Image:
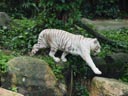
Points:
x=95, y=47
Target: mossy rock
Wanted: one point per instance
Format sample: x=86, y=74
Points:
x=33, y=77
x=101, y=86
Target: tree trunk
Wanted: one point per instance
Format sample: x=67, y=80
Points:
x=99, y=36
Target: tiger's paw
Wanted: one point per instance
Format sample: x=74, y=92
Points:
x=97, y=71
x=64, y=59
x=57, y=59
x=32, y=53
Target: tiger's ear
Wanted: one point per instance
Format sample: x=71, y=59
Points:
x=95, y=40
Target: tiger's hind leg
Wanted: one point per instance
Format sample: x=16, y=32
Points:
x=63, y=57
x=52, y=54
x=36, y=48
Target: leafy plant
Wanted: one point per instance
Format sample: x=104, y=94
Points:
x=59, y=14
x=124, y=77
x=118, y=35
x=21, y=8
x=102, y=9
x=21, y=37
x=14, y=89
x=81, y=90
x=3, y=62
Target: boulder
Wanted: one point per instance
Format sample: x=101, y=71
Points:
x=117, y=58
x=4, y=92
x=108, y=87
x=33, y=77
x=5, y=19
x=112, y=66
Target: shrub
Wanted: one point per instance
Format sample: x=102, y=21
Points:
x=124, y=76
x=3, y=62
x=19, y=37
x=102, y=9
x=81, y=90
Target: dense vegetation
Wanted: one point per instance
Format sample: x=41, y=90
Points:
x=89, y=8
x=32, y=16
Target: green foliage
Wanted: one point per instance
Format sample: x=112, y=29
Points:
x=63, y=8
x=19, y=37
x=106, y=50
x=102, y=9
x=107, y=8
x=80, y=71
x=81, y=90
x=119, y=36
x=3, y=62
x=78, y=65
x=14, y=89
x=59, y=14
x=124, y=77
x=20, y=8
x=31, y=8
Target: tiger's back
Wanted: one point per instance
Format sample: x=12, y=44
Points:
x=59, y=39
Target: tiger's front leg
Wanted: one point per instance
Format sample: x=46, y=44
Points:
x=90, y=63
x=52, y=54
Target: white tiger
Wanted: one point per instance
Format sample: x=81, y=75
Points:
x=69, y=43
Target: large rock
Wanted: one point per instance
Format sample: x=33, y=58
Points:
x=117, y=58
x=4, y=92
x=32, y=77
x=112, y=66
x=4, y=19
x=108, y=87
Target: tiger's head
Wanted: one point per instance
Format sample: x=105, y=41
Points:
x=95, y=46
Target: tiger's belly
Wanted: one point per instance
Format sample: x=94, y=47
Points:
x=73, y=51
